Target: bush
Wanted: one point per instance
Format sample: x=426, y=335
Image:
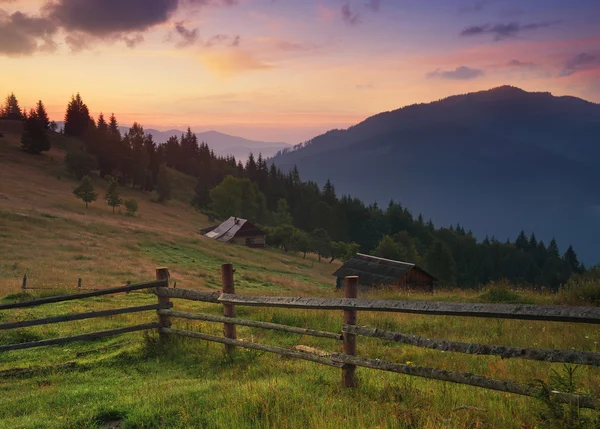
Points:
x=131, y=205
x=580, y=292
x=499, y=293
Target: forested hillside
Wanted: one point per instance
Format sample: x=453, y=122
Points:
x=498, y=161
x=299, y=215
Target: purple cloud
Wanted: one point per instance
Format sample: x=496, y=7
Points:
x=504, y=31
x=580, y=62
x=460, y=73
x=348, y=15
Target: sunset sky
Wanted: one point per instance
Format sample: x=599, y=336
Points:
x=287, y=70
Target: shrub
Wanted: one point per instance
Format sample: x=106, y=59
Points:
x=499, y=293
x=580, y=292
x=131, y=205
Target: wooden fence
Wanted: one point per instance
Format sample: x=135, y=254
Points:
x=347, y=361
x=161, y=283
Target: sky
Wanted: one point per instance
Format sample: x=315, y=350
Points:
x=288, y=70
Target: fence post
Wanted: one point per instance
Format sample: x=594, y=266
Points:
x=228, y=309
x=24, y=286
x=164, y=321
x=79, y=283
x=348, y=370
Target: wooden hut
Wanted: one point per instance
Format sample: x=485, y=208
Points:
x=374, y=272
x=237, y=231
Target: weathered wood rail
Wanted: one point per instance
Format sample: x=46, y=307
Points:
x=160, y=283
x=350, y=331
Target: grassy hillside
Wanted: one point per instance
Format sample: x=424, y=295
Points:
x=131, y=382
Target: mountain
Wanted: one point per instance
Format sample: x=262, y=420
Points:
x=221, y=144
x=495, y=161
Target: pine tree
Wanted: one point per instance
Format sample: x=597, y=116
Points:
x=112, y=197
x=101, y=125
x=85, y=191
x=34, y=139
x=440, y=262
x=12, y=110
x=163, y=186
x=522, y=243
x=42, y=115
x=570, y=258
x=113, y=127
x=553, y=249
x=329, y=193
x=77, y=117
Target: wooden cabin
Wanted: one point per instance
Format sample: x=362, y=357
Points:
x=376, y=272
x=237, y=231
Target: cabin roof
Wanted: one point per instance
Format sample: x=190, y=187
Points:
x=232, y=227
x=372, y=270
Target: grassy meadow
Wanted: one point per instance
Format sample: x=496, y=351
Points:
x=133, y=381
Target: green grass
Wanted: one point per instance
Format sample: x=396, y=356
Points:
x=136, y=380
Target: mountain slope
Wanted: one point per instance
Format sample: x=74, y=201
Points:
x=496, y=161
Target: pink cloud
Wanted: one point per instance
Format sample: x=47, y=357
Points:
x=325, y=13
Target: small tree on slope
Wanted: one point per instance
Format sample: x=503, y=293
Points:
x=112, y=196
x=85, y=191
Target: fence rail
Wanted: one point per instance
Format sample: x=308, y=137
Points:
x=159, y=283
x=547, y=355
x=63, y=298
x=90, y=336
x=548, y=313
x=250, y=323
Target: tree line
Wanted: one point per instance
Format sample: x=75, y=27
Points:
x=300, y=215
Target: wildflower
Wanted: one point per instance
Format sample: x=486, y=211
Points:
x=409, y=363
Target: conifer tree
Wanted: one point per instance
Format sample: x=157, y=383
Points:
x=11, y=109
x=112, y=197
x=570, y=258
x=522, y=243
x=34, y=139
x=77, y=117
x=101, y=124
x=42, y=115
x=440, y=262
x=329, y=193
x=163, y=186
x=85, y=191
x=113, y=127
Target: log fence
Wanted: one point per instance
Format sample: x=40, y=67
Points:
x=160, y=283
x=348, y=361
x=349, y=334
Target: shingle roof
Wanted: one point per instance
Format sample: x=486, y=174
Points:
x=231, y=227
x=372, y=270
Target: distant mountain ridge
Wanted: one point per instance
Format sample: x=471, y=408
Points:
x=494, y=161
x=222, y=144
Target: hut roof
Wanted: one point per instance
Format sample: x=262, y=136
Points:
x=232, y=227
x=372, y=270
